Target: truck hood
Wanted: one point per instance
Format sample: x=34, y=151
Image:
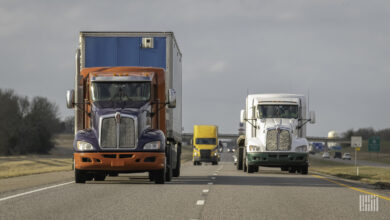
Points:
x=270, y=123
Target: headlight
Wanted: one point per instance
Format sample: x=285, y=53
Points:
x=302, y=148
x=254, y=148
x=155, y=145
x=82, y=146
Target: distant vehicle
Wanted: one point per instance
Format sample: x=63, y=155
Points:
x=337, y=155
x=346, y=156
x=326, y=155
x=205, y=144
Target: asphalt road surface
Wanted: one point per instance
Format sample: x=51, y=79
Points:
x=202, y=192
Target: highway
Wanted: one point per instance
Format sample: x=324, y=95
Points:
x=202, y=192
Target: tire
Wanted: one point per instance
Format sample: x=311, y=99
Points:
x=239, y=158
x=79, y=176
x=158, y=176
x=284, y=168
x=250, y=169
x=99, y=176
x=168, y=169
x=214, y=163
x=195, y=163
x=244, y=166
x=151, y=176
x=292, y=170
x=256, y=169
x=176, y=171
x=113, y=174
x=305, y=170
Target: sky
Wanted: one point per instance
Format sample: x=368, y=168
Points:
x=335, y=51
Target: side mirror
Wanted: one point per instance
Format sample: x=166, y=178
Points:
x=171, y=98
x=70, y=98
x=242, y=116
x=312, y=117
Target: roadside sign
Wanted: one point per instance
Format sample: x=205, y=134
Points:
x=374, y=144
x=357, y=149
x=356, y=141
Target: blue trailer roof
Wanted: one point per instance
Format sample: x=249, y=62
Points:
x=124, y=51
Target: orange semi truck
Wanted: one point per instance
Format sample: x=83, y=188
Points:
x=127, y=102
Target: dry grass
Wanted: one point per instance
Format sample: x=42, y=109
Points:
x=26, y=166
x=372, y=175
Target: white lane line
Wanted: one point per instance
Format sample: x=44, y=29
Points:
x=215, y=174
x=213, y=178
x=33, y=191
x=210, y=183
x=205, y=191
x=200, y=202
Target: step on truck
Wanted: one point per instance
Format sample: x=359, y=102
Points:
x=127, y=102
x=205, y=144
x=275, y=133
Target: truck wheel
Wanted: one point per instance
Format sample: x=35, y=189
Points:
x=79, y=176
x=151, y=176
x=168, y=169
x=158, y=176
x=244, y=166
x=99, y=177
x=284, y=168
x=256, y=169
x=304, y=170
x=292, y=170
x=214, y=163
x=113, y=174
x=239, y=158
x=176, y=171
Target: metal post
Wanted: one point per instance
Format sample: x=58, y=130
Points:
x=357, y=168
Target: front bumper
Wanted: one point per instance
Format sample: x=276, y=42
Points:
x=205, y=159
x=276, y=159
x=125, y=162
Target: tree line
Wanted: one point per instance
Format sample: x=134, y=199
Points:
x=366, y=133
x=28, y=125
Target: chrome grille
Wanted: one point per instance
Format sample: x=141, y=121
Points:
x=272, y=140
x=278, y=140
x=126, y=133
x=284, y=140
x=118, y=135
x=108, y=133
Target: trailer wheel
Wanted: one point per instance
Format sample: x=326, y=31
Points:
x=79, y=176
x=176, y=171
x=99, y=176
x=239, y=158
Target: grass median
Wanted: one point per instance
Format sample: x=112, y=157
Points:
x=373, y=175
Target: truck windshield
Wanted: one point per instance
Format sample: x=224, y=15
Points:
x=206, y=141
x=278, y=111
x=123, y=92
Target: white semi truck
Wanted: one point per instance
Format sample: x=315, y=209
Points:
x=275, y=133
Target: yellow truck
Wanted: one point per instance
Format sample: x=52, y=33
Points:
x=205, y=144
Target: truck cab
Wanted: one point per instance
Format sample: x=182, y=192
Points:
x=127, y=102
x=205, y=144
x=275, y=133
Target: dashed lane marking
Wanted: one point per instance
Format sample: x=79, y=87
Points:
x=200, y=202
x=205, y=191
x=210, y=183
x=213, y=178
